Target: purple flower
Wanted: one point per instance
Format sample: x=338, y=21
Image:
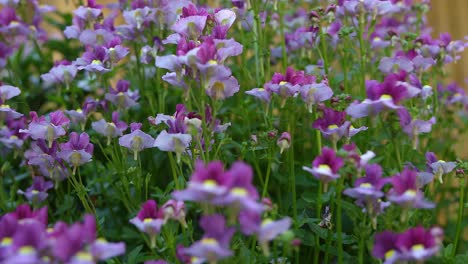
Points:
x=93, y=60
x=388, y=65
x=385, y=247
x=46, y=158
x=266, y=230
x=222, y=89
x=261, y=93
x=110, y=129
x=370, y=186
x=62, y=73
x=415, y=244
x=381, y=96
x=121, y=96
x=441, y=167
x=284, y=142
x=77, y=151
x=175, y=210
x=173, y=142
x=206, y=183
x=314, y=93
x=414, y=127
x=149, y=220
x=99, y=37
x=101, y=249
x=334, y=126
x=418, y=243
x=7, y=92
x=137, y=140
x=49, y=129
x=215, y=242
x=38, y=190
x=241, y=193
x=405, y=191
x=326, y=166
x=190, y=27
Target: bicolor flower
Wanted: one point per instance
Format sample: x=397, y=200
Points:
x=110, y=129
x=206, y=183
x=414, y=127
x=214, y=244
x=334, y=126
x=37, y=192
x=137, y=140
x=149, y=220
x=405, y=191
x=77, y=151
x=175, y=210
x=326, y=166
x=48, y=128
x=121, y=96
x=265, y=230
x=284, y=141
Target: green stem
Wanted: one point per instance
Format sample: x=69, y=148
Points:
x=318, y=215
x=174, y=170
x=338, y=220
x=461, y=206
x=361, y=245
x=267, y=177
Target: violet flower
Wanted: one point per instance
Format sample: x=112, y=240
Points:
x=334, y=126
x=415, y=244
x=77, y=151
x=284, y=141
x=110, y=129
x=137, y=140
x=414, y=127
x=214, y=245
x=206, y=183
x=49, y=128
x=381, y=96
x=265, y=231
x=7, y=92
x=93, y=60
x=326, y=166
x=37, y=192
x=220, y=89
x=173, y=142
x=149, y=220
x=314, y=93
x=405, y=191
x=241, y=193
x=62, y=73
x=175, y=210
x=121, y=96
x=370, y=186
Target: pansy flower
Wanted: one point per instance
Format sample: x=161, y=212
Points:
x=37, y=192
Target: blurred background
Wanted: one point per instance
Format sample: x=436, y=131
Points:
x=445, y=16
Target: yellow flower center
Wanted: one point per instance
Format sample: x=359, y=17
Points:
x=332, y=127
x=147, y=220
x=4, y=106
x=386, y=97
x=237, y=191
x=209, y=241
x=366, y=185
x=6, y=241
x=283, y=82
x=26, y=250
x=324, y=167
x=84, y=256
x=266, y=221
x=210, y=183
x=417, y=247
x=96, y=62
x=212, y=62
x=411, y=193
x=390, y=254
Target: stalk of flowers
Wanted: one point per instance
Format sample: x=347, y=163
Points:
x=25, y=238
